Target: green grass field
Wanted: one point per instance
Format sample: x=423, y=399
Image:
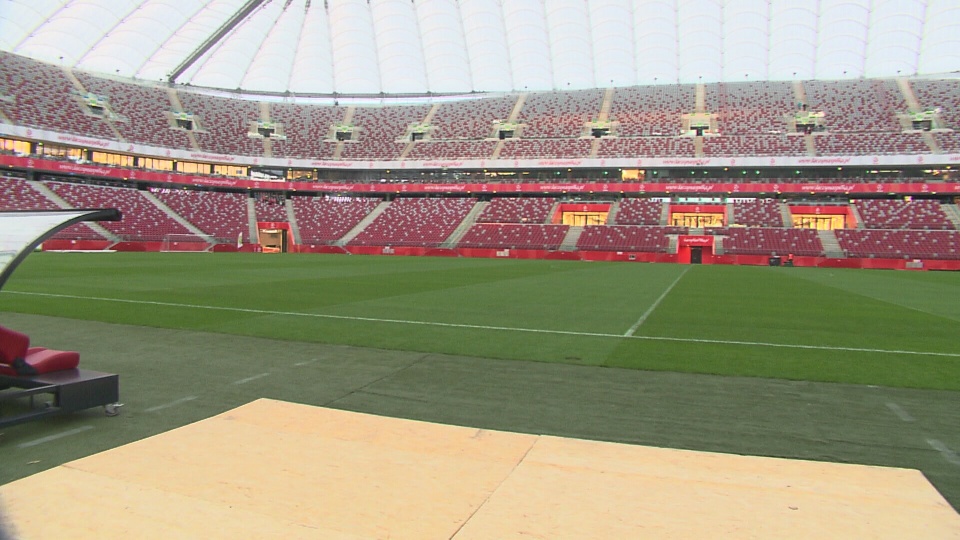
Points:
x=831, y=365
x=896, y=329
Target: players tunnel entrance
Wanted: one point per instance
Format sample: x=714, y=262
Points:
x=274, y=237
x=694, y=249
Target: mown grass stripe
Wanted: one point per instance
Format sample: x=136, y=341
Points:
x=496, y=328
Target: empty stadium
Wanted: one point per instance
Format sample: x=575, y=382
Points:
x=725, y=227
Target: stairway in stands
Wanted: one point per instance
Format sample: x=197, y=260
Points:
x=253, y=233
x=48, y=193
x=831, y=246
x=292, y=220
x=953, y=214
x=83, y=91
x=787, y=216
x=612, y=213
x=570, y=240
x=857, y=216
x=363, y=223
x=176, y=217
x=512, y=119
x=469, y=221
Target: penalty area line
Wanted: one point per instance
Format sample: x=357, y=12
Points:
x=489, y=327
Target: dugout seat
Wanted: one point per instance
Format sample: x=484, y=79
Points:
x=18, y=358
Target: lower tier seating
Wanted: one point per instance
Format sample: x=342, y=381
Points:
x=899, y=244
x=770, y=241
x=514, y=236
x=415, y=222
x=627, y=238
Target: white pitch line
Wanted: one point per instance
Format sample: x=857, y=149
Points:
x=946, y=452
x=307, y=362
x=173, y=403
x=54, y=437
x=248, y=379
x=899, y=411
x=647, y=313
x=498, y=328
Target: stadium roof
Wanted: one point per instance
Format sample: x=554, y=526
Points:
x=457, y=46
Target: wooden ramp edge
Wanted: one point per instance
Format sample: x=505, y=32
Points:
x=271, y=468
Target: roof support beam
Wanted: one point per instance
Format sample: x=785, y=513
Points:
x=215, y=38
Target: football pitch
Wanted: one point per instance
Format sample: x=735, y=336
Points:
x=897, y=329
x=718, y=358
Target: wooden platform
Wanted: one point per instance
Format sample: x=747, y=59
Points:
x=272, y=469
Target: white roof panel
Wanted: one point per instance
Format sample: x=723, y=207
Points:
x=452, y=46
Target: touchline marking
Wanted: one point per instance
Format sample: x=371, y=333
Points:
x=647, y=313
x=500, y=328
x=54, y=437
x=899, y=411
x=946, y=452
x=173, y=403
x=248, y=379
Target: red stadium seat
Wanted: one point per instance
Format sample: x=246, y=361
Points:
x=19, y=359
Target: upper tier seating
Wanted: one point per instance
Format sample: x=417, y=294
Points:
x=639, y=212
x=324, y=220
x=652, y=110
x=750, y=108
x=223, y=123
x=770, y=241
x=517, y=210
x=471, y=119
x=220, y=215
x=754, y=145
x=426, y=150
x=18, y=194
x=835, y=144
x=627, y=238
x=382, y=131
x=514, y=236
x=948, y=142
x=559, y=114
x=886, y=214
x=306, y=127
x=142, y=111
x=646, y=147
x=861, y=119
x=415, y=222
x=899, y=244
x=758, y=213
x=45, y=98
x=545, y=148
x=142, y=220
x=942, y=93
x=857, y=105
